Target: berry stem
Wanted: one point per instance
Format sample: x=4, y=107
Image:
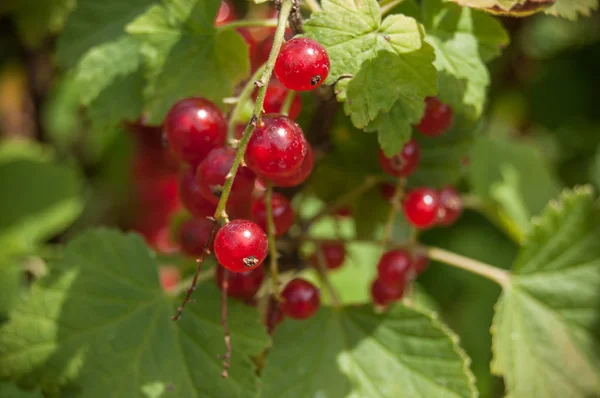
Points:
x=241, y=101
x=272, y=244
x=395, y=207
x=287, y=103
x=284, y=13
x=249, y=23
x=225, y=323
x=492, y=273
x=388, y=6
x=322, y=271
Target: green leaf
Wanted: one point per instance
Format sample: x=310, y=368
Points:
x=186, y=55
x=95, y=23
x=547, y=325
x=100, y=325
x=531, y=178
x=8, y=390
x=39, y=198
x=11, y=282
x=352, y=32
x=442, y=157
x=572, y=9
x=463, y=39
x=357, y=352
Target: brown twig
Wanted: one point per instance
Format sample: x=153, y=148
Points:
x=296, y=18
x=225, y=323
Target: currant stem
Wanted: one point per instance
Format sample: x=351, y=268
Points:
x=244, y=96
x=284, y=13
x=395, y=205
x=389, y=6
x=322, y=271
x=250, y=23
x=272, y=243
x=287, y=103
x=184, y=284
x=492, y=273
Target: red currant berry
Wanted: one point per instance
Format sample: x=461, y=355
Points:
x=191, y=197
x=194, y=127
x=277, y=147
x=301, y=299
x=394, y=268
x=404, y=163
x=151, y=162
x=283, y=215
x=383, y=295
x=302, y=64
x=420, y=262
x=301, y=174
x=275, y=97
x=387, y=190
x=226, y=14
x=274, y=315
x=451, y=206
x=241, y=285
x=343, y=212
x=193, y=235
x=421, y=207
x=260, y=53
x=147, y=136
x=212, y=172
x=169, y=277
x=437, y=118
x=240, y=246
x=158, y=198
x=333, y=254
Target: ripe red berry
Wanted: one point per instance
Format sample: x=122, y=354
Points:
x=212, y=172
x=437, y=118
x=421, y=207
x=194, y=127
x=301, y=299
x=260, y=52
x=451, y=206
x=387, y=190
x=301, y=174
x=277, y=147
x=191, y=197
x=283, y=215
x=225, y=14
x=274, y=315
x=302, y=64
x=420, y=262
x=383, y=294
x=404, y=163
x=240, y=246
x=241, y=285
x=333, y=254
x=343, y=212
x=394, y=268
x=275, y=97
x=193, y=235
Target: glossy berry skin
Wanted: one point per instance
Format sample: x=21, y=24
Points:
x=384, y=295
x=193, y=235
x=404, y=163
x=421, y=207
x=260, y=52
x=277, y=147
x=240, y=246
x=394, y=268
x=451, y=206
x=193, y=127
x=301, y=174
x=301, y=299
x=212, y=172
x=437, y=118
x=226, y=14
x=420, y=262
x=191, y=197
x=275, y=97
x=302, y=64
x=333, y=254
x=241, y=285
x=283, y=215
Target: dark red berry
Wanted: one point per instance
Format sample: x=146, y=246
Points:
x=226, y=14
x=274, y=315
x=451, y=206
x=194, y=127
x=212, y=172
x=301, y=299
x=437, y=118
x=260, y=52
x=301, y=174
x=283, y=215
x=191, y=197
x=193, y=235
x=275, y=97
x=277, y=147
x=387, y=190
x=241, y=285
x=421, y=207
x=404, y=163
x=333, y=254
x=241, y=246
x=383, y=295
x=394, y=268
x=302, y=64
x=343, y=212
x=420, y=262
x=151, y=162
